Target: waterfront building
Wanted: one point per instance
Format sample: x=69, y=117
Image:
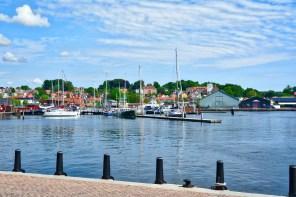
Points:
x=219, y=100
x=284, y=102
x=255, y=103
x=150, y=89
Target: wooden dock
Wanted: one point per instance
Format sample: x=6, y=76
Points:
x=181, y=119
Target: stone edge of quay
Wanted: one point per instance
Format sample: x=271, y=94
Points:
x=147, y=185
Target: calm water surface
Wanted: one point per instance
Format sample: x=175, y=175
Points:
x=257, y=148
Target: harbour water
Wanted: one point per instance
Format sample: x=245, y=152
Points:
x=256, y=147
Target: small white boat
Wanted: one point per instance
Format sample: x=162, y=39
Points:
x=61, y=112
x=176, y=113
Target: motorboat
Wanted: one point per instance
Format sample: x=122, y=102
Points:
x=176, y=113
x=61, y=112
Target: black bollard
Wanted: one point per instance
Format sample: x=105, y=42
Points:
x=187, y=183
x=292, y=181
x=106, y=168
x=159, y=179
x=220, y=184
x=59, y=164
x=17, y=161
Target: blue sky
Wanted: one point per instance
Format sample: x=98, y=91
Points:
x=247, y=42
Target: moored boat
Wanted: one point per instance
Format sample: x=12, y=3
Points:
x=61, y=112
x=126, y=113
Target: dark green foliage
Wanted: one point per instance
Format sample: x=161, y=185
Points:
x=136, y=85
x=115, y=84
x=25, y=87
x=47, y=85
x=232, y=89
x=90, y=91
x=250, y=92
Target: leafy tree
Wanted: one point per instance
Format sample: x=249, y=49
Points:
x=136, y=85
x=115, y=84
x=90, y=91
x=232, y=89
x=228, y=90
x=39, y=92
x=289, y=90
x=57, y=84
x=44, y=97
x=16, y=102
x=250, y=92
x=133, y=97
x=188, y=83
x=25, y=87
x=156, y=85
x=25, y=103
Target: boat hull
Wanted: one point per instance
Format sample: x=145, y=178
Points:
x=129, y=114
x=61, y=114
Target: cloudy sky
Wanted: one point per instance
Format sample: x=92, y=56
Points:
x=247, y=42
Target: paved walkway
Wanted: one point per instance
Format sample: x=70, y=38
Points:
x=17, y=184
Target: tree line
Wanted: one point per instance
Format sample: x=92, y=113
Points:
x=115, y=85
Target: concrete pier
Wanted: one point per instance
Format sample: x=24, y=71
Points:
x=20, y=184
x=180, y=119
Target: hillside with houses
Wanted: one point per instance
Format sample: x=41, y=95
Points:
x=195, y=95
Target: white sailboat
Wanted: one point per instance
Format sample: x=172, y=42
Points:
x=107, y=109
x=177, y=111
x=61, y=111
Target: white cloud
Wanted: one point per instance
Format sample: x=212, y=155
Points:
x=4, y=41
x=233, y=33
x=10, y=57
x=9, y=82
x=25, y=15
x=64, y=54
x=37, y=81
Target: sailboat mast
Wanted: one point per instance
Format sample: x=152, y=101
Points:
x=177, y=77
x=63, y=98
x=106, y=91
x=119, y=93
x=51, y=92
x=94, y=97
x=124, y=95
x=140, y=90
x=58, y=92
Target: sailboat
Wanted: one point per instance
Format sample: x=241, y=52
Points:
x=107, y=109
x=176, y=111
x=140, y=109
x=62, y=111
x=124, y=111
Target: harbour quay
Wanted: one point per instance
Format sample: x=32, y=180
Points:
x=26, y=184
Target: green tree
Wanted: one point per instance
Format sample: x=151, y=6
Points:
x=90, y=91
x=136, y=85
x=115, y=84
x=232, y=89
x=16, y=102
x=133, y=97
x=39, y=92
x=25, y=87
x=57, y=84
x=250, y=92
